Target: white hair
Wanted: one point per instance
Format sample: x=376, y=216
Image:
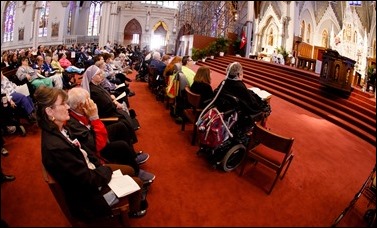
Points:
x=156, y=55
x=76, y=96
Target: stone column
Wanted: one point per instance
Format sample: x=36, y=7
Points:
x=113, y=13
x=38, y=7
x=105, y=22
x=250, y=19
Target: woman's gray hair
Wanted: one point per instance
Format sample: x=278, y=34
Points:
x=76, y=96
x=234, y=70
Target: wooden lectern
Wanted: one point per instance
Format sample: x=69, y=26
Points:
x=337, y=71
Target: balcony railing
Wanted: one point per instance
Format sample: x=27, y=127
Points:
x=79, y=39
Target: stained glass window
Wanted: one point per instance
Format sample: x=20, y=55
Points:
x=10, y=16
x=94, y=18
x=43, y=18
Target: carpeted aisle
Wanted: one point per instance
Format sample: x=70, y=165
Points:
x=329, y=167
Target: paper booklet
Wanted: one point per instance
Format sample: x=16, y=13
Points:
x=120, y=96
x=122, y=185
x=40, y=76
x=120, y=85
x=263, y=94
x=23, y=89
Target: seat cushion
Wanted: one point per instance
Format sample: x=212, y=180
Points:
x=267, y=155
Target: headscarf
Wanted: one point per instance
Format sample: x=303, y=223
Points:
x=88, y=75
x=233, y=71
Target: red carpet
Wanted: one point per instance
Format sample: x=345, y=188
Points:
x=329, y=167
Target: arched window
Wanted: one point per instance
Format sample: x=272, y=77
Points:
x=43, y=18
x=308, y=33
x=10, y=16
x=71, y=8
x=94, y=18
x=325, y=39
x=355, y=37
x=302, y=30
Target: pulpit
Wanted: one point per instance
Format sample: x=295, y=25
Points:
x=337, y=71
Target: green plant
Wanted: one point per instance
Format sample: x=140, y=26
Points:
x=281, y=50
x=370, y=70
x=212, y=48
x=222, y=44
x=198, y=54
x=195, y=54
x=236, y=46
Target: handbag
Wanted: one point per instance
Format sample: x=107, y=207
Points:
x=214, y=128
x=173, y=86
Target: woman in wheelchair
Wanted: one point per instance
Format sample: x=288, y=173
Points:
x=250, y=103
x=239, y=109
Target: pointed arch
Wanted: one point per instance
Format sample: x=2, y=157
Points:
x=132, y=28
x=302, y=29
x=160, y=35
x=186, y=29
x=160, y=24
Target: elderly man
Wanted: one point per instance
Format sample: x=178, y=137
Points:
x=105, y=141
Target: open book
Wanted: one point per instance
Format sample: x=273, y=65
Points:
x=122, y=185
x=263, y=94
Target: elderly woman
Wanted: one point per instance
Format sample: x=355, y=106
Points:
x=75, y=167
x=250, y=103
x=27, y=74
x=110, y=107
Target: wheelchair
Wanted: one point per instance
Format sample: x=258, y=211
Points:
x=232, y=151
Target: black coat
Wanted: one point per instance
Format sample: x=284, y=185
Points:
x=205, y=90
x=66, y=163
x=106, y=108
x=249, y=102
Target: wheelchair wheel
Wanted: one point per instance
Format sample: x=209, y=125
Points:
x=233, y=157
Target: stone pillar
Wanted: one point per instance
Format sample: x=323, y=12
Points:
x=38, y=7
x=113, y=13
x=250, y=19
x=105, y=22
x=255, y=46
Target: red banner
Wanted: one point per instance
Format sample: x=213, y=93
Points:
x=243, y=39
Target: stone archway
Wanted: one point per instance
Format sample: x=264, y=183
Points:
x=160, y=31
x=132, y=27
x=185, y=30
